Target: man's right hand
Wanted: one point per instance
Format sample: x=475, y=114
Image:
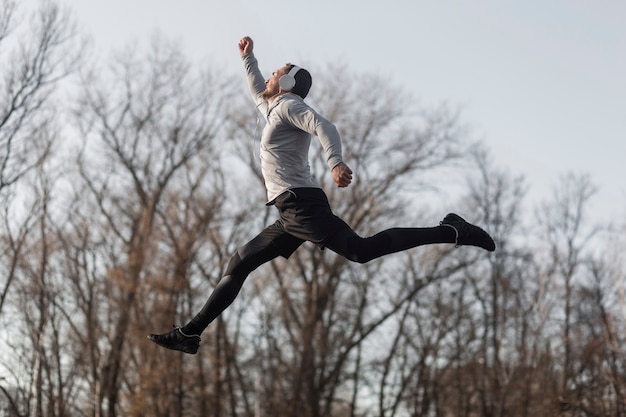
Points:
x=245, y=45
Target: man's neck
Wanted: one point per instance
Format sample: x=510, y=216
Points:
x=272, y=99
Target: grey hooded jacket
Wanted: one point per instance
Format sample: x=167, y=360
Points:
x=286, y=137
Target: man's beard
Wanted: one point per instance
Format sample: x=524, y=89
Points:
x=267, y=94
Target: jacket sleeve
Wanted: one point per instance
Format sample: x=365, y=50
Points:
x=256, y=82
x=305, y=118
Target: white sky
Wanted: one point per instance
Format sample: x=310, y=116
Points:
x=542, y=82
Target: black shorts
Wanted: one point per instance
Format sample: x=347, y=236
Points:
x=304, y=215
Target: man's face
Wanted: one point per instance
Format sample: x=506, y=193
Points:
x=271, y=84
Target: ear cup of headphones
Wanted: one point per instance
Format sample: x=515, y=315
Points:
x=286, y=82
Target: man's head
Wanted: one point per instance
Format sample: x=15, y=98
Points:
x=294, y=79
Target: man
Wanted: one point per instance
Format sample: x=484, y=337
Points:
x=304, y=212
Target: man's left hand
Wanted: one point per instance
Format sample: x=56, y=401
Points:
x=342, y=175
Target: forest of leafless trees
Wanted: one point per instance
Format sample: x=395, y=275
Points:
x=126, y=185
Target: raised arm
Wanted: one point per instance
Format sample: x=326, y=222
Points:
x=256, y=82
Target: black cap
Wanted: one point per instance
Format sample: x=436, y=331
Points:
x=303, y=83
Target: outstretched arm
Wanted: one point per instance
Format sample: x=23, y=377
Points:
x=256, y=82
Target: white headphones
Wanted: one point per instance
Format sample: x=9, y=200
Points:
x=288, y=81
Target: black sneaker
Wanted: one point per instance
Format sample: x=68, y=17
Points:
x=177, y=340
x=468, y=234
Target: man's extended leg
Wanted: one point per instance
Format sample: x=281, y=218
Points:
x=452, y=229
x=269, y=244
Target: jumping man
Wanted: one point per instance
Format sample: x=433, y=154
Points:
x=304, y=213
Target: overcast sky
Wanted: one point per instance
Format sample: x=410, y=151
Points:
x=542, y=82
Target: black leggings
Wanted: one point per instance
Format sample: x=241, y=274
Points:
x=344, y=242
x=358, y=249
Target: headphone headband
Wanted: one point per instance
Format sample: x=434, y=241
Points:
x=294, y=69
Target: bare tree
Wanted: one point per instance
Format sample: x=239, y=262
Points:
x=568, y=235
x=43, y=54
x=38, y=357
x=599, y=340
x=38, y=55
x=146, y=130
x=36, y=58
